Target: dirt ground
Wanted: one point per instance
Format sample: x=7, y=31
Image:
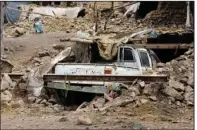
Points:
x=22, y=50
x=148, y=116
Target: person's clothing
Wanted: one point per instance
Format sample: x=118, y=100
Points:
x=38, y=27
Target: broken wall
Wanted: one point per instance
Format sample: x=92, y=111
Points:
x=168, y=13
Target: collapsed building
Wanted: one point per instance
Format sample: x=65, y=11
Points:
x=167, y=21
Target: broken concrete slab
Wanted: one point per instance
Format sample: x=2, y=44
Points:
x=173, y=93
x=142, y=84
x=143, y=101
x=153, y=98
x=176, y=85
x=62, y=55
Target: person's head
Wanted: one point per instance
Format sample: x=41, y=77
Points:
x=37, y=19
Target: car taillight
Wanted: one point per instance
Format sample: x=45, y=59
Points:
x=107, y=71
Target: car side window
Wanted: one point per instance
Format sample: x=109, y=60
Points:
x=128, y=55
x=144, y=59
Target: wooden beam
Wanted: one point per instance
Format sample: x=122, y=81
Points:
x=163, y=46
x=1, y=26
x=77, y=40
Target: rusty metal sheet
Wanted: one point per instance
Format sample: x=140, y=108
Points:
x=105, y=78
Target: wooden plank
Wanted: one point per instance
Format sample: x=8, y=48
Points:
x=148, y=46
x=13, y=75
x=77, y=40
x=105, y=78
x=163, y=46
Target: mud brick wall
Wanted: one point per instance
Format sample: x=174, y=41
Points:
x=168, y=13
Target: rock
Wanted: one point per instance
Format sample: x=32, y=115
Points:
x=22, y=86
x=189, y=97
x=5, y=66
x=183, y=80
x=52, y=100
x=142, y=84
x=138, y=103
x=160, y=65
x=36, y=64
x=6, y=48
x=191, y=56
x=176, y=85
x=99, y=103
x=182, y=57
x=19, y=31
x=6, y=96
x=58, y=108
x=84, y=120
x=189, y=89
x=63, y=119
x=58, y=46
x=190, y=81
x=6, y=92
x=143, y=101
x=147, y=90
x=153, y=98
x=178, y=103
x=173, y=93
x=189, y=52
x=172, y=99
x=44, y=101
x=31, y=99
x=134, y=89
x=6, y=82
x=18, y=104
x=39, y=100
x=5, y=105
x=34, y=86
x=133, y=94
x=37, y=60
x=44, y=53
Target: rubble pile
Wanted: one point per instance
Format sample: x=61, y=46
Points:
x=51, y=24
x=180, y=88
x=8, y=93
